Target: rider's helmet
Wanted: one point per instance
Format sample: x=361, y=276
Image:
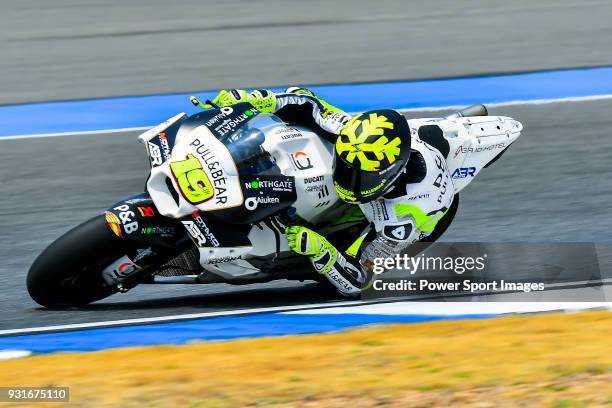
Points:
x=370, y=153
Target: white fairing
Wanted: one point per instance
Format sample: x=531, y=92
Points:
x=309, y=158
x=218, y=165
x=474, y=142
x=299, y=152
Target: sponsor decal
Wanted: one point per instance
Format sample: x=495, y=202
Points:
x=441, y=181
x=457, y=151
x=146, y=211
x=274, y=185
x=223, y=112
x=322, y=189
x=300, y=161
x=125, y=269
x=397, y=232
x=143, y=253
x=340, y=280
x=162, y=231
x=217, y=173
x=154, y=154
x=113, y=223
x=227, y=120
x=379, y=210
x=119, y=270
x=343, y=193
x=252, y=203
x=126, y=218
x=209, y=235
x=318, y=187
x=194, y=183
x=465, y=150
x=195, y=233
x=223, y=259
x=418, y=196
x=288, y=133
x=200, y=231
x=164, y=144
x=463, y=172
x=316, y=179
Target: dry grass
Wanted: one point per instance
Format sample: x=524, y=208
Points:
x=553, y=360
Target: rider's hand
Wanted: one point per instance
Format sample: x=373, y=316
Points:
x=302, y=240
x=305, y=241
x=230, y=97
x=333, y=122
x=261, y=99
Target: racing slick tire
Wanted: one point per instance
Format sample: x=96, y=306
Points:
x=69, y=271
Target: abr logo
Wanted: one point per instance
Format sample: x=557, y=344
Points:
x=463, y=172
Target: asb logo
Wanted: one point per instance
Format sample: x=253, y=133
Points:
x=463, y=172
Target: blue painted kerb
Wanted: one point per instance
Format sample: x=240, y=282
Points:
x=143, y=111
x=220, y=328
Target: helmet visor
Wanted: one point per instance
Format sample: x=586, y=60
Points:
x=360, y=187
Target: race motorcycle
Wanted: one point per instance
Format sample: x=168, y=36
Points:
x=222, y=186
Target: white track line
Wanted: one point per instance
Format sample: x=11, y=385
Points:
x=572, y=99
x=171, y=318
x=314, y=306
x=84, y=133
x=458, y=308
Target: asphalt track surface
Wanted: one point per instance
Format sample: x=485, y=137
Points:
x=552, y=186
x=74, y=49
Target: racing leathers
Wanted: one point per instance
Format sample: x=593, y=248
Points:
x=406, y=213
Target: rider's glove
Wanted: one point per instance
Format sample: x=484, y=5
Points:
x=305, y=241
x=230, y=97
x=333, y=122
x=261, y=99
x=342, y=272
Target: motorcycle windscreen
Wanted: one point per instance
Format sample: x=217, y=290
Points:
x=246, y=147
x=211, y=155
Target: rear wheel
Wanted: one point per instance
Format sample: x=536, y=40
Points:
x=69, y=271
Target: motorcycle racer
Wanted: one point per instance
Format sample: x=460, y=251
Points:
x=401, y=183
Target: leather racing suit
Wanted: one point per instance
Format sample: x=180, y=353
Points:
x=406, y=213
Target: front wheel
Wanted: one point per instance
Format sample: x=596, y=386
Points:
x=69, y=271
